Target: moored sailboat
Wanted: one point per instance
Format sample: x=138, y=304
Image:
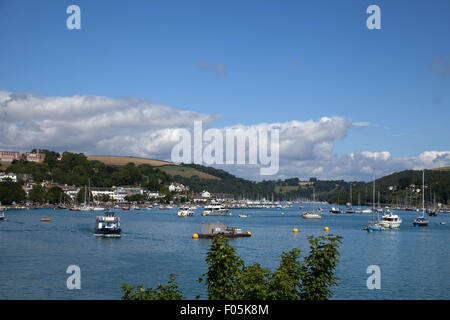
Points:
x=374, y=225
x=312, y=214
x=421, y=221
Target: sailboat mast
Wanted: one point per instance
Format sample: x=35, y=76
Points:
x=423, y=193
x=373, y=195
x=314, y=199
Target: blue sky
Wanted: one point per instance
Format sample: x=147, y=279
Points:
x=282, y=60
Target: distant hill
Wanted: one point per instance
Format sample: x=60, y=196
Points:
x=407, y=177
x=437, y=185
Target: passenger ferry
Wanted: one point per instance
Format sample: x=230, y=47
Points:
x=108, y=225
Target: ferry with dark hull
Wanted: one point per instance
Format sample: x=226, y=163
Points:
x=108, y=226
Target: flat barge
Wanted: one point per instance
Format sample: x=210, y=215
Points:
x=219, y=229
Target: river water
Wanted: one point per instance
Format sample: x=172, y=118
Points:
x=414, y=262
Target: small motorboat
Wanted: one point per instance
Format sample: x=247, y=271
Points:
x=420, y=222
x=243, y=215
x=334, y=210
x=432, y=213
x=374, y=227
x=311, y=215
x=185, y=212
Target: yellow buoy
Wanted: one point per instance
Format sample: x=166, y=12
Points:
x=195, y=236
x=229, y=213
x=45, y=219
x=282, y=213
x=203, y=214
x=249, y=233
x=295, y=230
x=326, y=229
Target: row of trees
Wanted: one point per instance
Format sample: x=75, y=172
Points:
x=228, y=278
x=11, y=192
x=76, y=169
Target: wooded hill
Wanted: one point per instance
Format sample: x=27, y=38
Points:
x=106, y=171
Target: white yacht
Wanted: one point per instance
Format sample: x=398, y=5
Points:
x=2, y=214
x=390, y=221
x=215, y=210
x=185, y=212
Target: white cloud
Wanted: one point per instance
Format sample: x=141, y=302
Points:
x=361, y=124
x=130, y=126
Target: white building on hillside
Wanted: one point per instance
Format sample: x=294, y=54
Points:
x=205, y=194
x=177, y=187
x=8, y=176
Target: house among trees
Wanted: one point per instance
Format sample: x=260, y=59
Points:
x=177, y=187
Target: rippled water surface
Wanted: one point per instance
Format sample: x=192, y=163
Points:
x=34, y=255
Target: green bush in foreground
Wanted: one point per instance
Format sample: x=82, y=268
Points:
x=162, y=292
x=228, y=278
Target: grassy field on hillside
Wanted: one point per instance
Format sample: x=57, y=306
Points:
x=121, y=161
x=442, y=169
x=167, y=167
x=186, y=172
x=284, y=189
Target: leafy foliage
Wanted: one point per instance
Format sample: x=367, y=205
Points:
x=11, y=192
x=170, y=291
x=38, y=194
x=228, y=278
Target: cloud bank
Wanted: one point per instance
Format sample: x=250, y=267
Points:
x=98, y=125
